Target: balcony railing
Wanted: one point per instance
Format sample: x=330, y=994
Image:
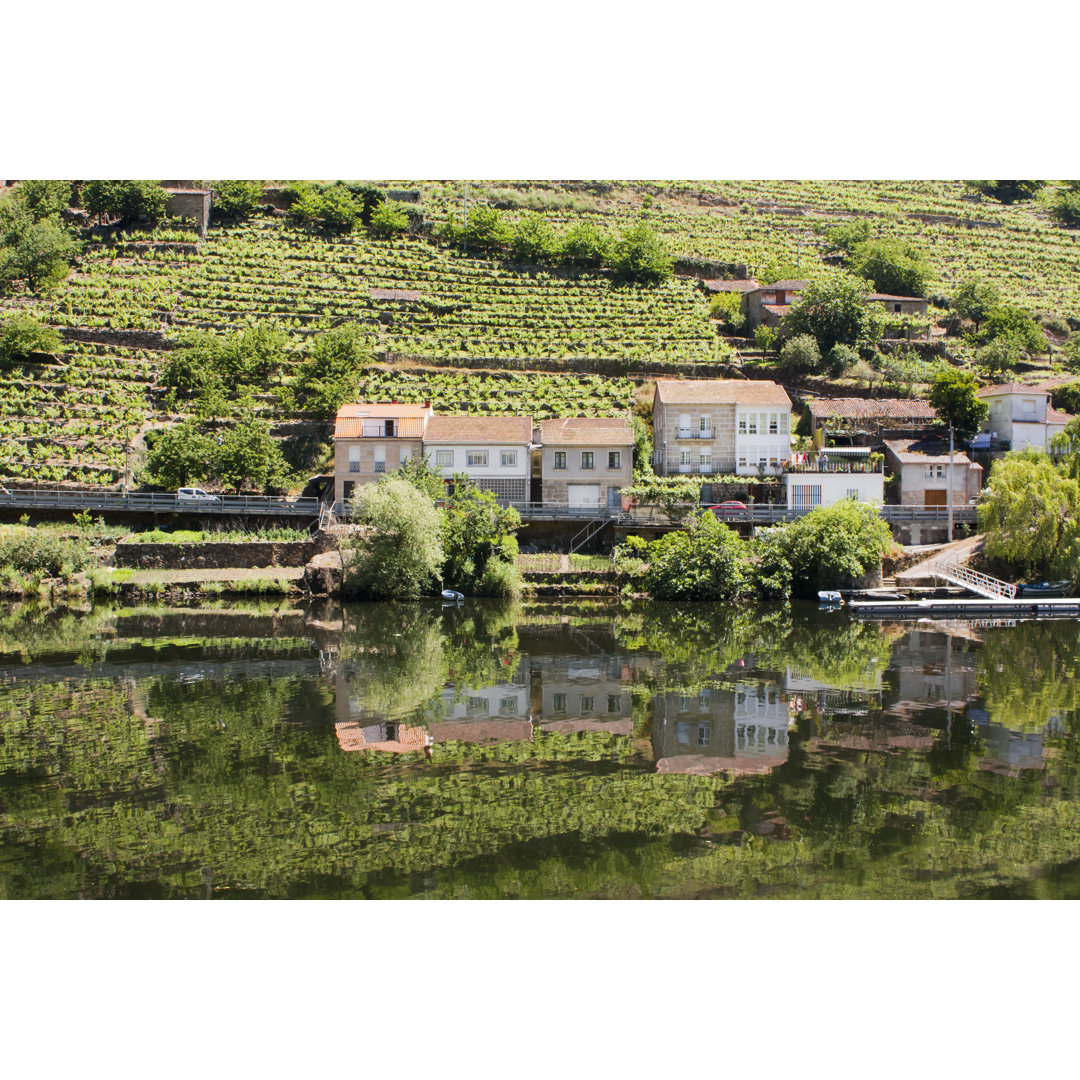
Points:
x=813, y=466
x=380, y=466
x=354, y=466
x=695, y=433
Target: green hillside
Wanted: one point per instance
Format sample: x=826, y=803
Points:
x=70, y=421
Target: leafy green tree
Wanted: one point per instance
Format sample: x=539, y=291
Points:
x=368, y=197
x=43, y=198
x=332, y=209
x=478, y=531
x=1071, y=352
x=1008, y=191
x=954, y=396
x=726, y=307
x=422, y=475
x=765, y=337
x=1011, y=320
x=328, y=376
x=402, y=553
x=486, y=229
x=892, y=266
x=643, y=447
x=1001, y=354
x=707, y=561
x=800, y=354
x=249, y=455
x=249, y=357
x=585, y=245
x=132, y=202
x=38, y=253
x=847, y=235
x=181, y=456
x=833, y=546
x=834, y=310
x=1067, y=398
x=1065, y=206
x=533, y=240
x=974, y=299
x=22, y=335
x=1030, y=513
x=642, y=256
x=388, y=221
x=235, y=200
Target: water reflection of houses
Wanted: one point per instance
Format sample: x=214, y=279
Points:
x=387, y=735
x=857, y=699
x=932, y=670
x=1007, y=752
x=583, y=693
x=742, y=729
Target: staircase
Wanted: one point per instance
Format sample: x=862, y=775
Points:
x=982, y=584
x=590, y=529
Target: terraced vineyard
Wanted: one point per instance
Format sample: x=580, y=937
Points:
x=72, y=421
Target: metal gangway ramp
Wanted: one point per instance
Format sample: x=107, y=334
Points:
x=982, y=584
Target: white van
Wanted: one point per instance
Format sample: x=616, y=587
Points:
x=195, y=495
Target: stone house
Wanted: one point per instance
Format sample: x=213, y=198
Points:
x=192, y=203
x=926, y=478
x=769, y=304
x=1021, y=416
x=863, y=421
x=711, y=426
x=585, y=461
x=495, y=451
x=373, y=439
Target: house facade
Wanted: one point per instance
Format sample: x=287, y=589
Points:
x=862, y=421
x=372, y=439
x=585, y=462
x=829, y=476
x=493, y=450
x=925, y=475
x=770, y=303
x=1021, y=416
x=710, y=426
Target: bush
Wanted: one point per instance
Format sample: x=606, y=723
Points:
x=1012, y=321
x=33, y=551
x=892, y=266
x=131, y=202
x=500, y=579
x=43, y=198
x=841, y=358
x=235, y=200
x=641, y=256
x=800, y=354
x=1065, y=208
x=388, y=221
x=533, y=240
x=327, y=378
x=1067, y=398
x=22, y=335
x=586, y=246
x=706, y=562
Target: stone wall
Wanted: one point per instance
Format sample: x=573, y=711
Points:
x=220, y=556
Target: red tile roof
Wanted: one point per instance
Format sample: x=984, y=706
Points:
x=721, y=285
x=1055, y=417
x=872, y=408
x=479, y=429
x=721, y=392
x=602, y=431
x=925, y=452
x=788, y=286
x=1009, y=388
x=349, y=423
x=777, y=309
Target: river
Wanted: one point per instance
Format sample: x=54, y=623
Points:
x=569, y=749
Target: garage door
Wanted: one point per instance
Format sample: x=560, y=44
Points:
x=584, y=495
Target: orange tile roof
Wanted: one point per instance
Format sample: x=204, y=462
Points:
x=1055, y=417
x=721, y=392
x=479, y=429
x=925, y=452
x=777, y=309
x=349, y=423
x=1009, y=388
x=356, y=736
x=854, y=408
x=722, y=285
x=605, y=431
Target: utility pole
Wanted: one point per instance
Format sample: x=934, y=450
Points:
x=950, y=483
x=465, y=227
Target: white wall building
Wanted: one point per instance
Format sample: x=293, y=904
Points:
x=1021, y=416
x=494, y=451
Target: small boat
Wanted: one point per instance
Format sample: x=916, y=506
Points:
x=1045, y=588
x=830, y=598
x=451, y=595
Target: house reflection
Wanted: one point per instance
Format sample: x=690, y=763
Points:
x=1007, y=752
x=583, y=694
x=740, y=729
x=388, y=735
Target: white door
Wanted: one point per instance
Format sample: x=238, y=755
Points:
x=583, y=495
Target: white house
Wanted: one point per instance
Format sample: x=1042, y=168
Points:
x=1021, y=416
x=821, y=478
x=926, y=477
x=494, y=451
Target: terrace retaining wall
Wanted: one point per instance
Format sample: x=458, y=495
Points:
x=221, y=556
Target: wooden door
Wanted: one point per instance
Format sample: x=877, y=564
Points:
x=935, y=498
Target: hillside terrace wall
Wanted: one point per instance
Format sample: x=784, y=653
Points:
x=220, y=556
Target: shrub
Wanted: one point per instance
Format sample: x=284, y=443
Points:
x=388, y=221
x=842, y=358
x=1012, y=321
x=533, y=240
x=43, y=198
x=800, y=354
x=641, y=256
x=131, y=202
x=22, y=335
x=235, y=200
x=706, y=562
x=1067, y=398
x=893, y=266
x=584, y=245
x=34, y=551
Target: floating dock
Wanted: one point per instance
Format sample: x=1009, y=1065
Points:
x=973, y=607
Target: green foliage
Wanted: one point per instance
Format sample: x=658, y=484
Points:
x=833, y=310
x=765, y=337
x=643, y=447
x=1071, y=352
x=43, y=198
x=707, y=561
x=182, y=455
x=400, y=557
x=388, y=221
x=805, y=427
x=38, y=253
x=328, y=376
x=533, y=240
x=477, y=532
x=585, y=245
x=800, y=354
x=1067, y=398
x=954, y=396
x=332, y=209
x=419, y=472
x=250, y=457
x=235, y=200
x=974, y=299
x=641, y=256
x=1001, y=354
x=831, y=547
x=131, y=202
x=1011, y=321
x=841, y=358
x=40, y=551
x=1065, y=207
x=1030, y=513
x=893, y=266
x=726, y=307
x=847, y=235
x=770, y=570
x=1008, y=191
x=486, y=229
x=249, y=357
x=22, y=335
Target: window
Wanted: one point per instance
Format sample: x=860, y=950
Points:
x=852, y=493
x=587, y=705
x=932, y=472
x=476, y=459
x=560, y=459
x=508, y=458
x=742, y=461
x=704, y=424
x=703, y=699
x=706, y=461
x=476, y=705
x=444, y=459
x=586, y=459
x=508, y=705
x=753, y=424
x=704, y=733
x=614, y=459
x=896, y=307
x=406, y=453
x=380, y=466
x=613, y=703
x=1028, y=405
x=558, y=703
x=742, y=425
x=354, y=465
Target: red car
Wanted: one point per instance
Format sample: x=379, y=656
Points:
x=732, y=508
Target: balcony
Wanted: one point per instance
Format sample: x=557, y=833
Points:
x=695, y=433
x=380, y=466
x=832, y=465
x=354, y=466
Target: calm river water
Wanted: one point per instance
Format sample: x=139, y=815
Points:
x=544, y=750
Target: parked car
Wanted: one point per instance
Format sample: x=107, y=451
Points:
x=195, y=495
x=732, y=508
